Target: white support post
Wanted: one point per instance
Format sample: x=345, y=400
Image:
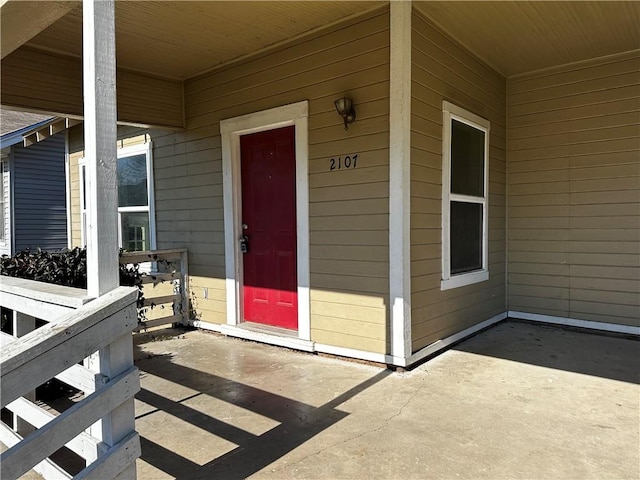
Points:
x=400, y=180
x=184, y=286
x=23, y=324
x=100, y=135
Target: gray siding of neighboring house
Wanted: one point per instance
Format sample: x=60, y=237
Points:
x=39, y=195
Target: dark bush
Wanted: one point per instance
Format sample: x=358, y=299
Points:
x=68, y=268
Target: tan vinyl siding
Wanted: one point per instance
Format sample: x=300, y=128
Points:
x=348, y=208
x=443, y=70
x=33, y=79
x=574, y=191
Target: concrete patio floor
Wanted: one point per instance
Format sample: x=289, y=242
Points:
x=516, y=401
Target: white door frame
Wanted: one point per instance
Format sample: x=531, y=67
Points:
x=231, y=130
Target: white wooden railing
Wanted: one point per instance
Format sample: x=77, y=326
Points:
x=176, y=273
x=99, y=427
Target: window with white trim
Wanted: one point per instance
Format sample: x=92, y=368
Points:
x=465, y=167
x=136, y=224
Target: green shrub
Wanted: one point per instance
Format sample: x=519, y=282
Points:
x=67, y=267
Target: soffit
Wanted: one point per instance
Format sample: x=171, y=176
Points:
x=179, y=39
x=518, y=37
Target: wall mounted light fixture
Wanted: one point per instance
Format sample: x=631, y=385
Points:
x=345, y=109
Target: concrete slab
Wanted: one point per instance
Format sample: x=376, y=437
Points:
x=516, y=401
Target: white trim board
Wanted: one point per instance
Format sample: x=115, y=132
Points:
x=231, y=129
x=429, y=350
x=439, y=345
x=247, y=334
x=400, y=180
x=574, y=322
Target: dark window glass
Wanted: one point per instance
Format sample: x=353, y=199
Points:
x=135, y=231
x=132, y=181
x=466, y=237
x=467, y=159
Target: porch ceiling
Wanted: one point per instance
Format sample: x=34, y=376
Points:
x=518, y=37
x=178, y=39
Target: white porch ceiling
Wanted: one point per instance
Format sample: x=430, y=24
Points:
x=516, y=37
x=179, y=39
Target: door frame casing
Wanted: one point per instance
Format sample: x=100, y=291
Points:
x=231, y=130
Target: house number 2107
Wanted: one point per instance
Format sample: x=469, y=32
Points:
x=339, y=163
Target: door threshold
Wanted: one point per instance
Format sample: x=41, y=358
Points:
x=269, y=329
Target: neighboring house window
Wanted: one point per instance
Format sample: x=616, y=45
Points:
x=136, y=225
x=465, y=159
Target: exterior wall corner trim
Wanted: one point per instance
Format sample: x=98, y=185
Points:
x=399, y=179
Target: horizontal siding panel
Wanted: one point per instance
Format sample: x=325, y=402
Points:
x=585, y=86
x=629, y=144
x=576, y=125
x=356, y=314
x=581, y=246
x=371, y=206
x=606, y=285
x=623, y=92
x=631, y=299
x=576, y=74
x=345, y=238
x=517, y=279
x=631, y=104
x=348, y=298
x=607, y=309
x=357, y=268
x=354, y=328
x=559, y=307
x=348, y=341
x=571, y=138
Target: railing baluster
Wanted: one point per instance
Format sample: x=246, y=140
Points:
x=37, y=356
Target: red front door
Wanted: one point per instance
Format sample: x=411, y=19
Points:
x=269, y=220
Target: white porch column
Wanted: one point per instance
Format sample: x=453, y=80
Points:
x=99, y=68
x=400, y=181
x=100, y=136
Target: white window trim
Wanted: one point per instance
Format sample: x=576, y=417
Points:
x=143, y=148
x=230, y=130
x=453, y=112
x=6, y=244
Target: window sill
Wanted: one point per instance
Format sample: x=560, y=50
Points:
x=464, y=279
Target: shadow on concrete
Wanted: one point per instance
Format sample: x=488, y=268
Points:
x=578, y=351
x=298, y=422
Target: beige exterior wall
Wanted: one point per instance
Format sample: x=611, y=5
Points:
x=574, y=191
x=33, y=79
x=443, y=70
x=348, y=208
